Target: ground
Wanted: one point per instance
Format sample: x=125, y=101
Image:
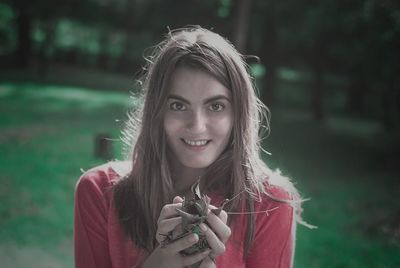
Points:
x=345, y=166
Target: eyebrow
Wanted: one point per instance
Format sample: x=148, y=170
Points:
x=208, y=100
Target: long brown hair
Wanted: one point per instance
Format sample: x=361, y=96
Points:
x=140, y=196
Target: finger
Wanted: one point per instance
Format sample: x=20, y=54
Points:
x=165, y=226
x=177, y=199
x=212, y=206
x=192, y=259
x=208, y=262
x=219, y=213
x=219, y=226
x=183, y=243
x=214, y=242
x=223, y=216
x=169, y=211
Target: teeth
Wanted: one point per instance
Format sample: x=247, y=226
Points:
x=195, y=143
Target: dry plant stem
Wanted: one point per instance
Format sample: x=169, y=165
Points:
x=254, y=212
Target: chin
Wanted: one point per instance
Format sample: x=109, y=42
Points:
x=197, y=164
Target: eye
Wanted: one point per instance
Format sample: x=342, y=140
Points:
x=217, y=107
x=177, y=106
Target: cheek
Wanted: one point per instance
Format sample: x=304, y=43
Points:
x=223, y=125
x=171, y=125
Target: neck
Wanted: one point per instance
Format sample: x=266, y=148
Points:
x=184, y=178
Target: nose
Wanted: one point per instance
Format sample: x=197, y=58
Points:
x=197, y=122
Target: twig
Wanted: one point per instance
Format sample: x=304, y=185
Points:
x=254, y=212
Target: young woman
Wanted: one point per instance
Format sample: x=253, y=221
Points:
x=200, y=121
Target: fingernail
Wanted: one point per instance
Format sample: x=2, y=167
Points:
x=216, y=211
x=203, y=227
x=193, y=238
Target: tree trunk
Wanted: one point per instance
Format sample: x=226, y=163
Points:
x=24, y=27
x=103, y=147
x=269, y=56
x=318, y=85
x=317, y=94
x=243, y=9
x=391, y=106
x=356, y=93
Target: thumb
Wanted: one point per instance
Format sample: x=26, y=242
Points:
x=177, y=199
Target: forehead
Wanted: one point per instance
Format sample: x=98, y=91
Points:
x=195, y=84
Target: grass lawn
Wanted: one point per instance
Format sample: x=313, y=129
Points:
x=345, y=166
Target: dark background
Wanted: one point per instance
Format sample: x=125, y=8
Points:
x=328, y=70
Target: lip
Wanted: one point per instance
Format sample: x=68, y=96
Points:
x=194, y=147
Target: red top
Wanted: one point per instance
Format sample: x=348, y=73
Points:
x=100, y=240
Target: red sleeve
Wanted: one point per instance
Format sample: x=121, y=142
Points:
x=90, y=230
x=274, y=239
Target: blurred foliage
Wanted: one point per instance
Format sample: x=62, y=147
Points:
x=7, y=35
x=224, y=8
x=328, y=46
x=355, y=41
x=346, y=30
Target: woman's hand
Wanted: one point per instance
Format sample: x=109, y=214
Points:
x=217, y=232
x=168, y=255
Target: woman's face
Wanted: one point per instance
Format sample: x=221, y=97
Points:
x=198, y=119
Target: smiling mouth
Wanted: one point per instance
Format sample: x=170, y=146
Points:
x=196, y=143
